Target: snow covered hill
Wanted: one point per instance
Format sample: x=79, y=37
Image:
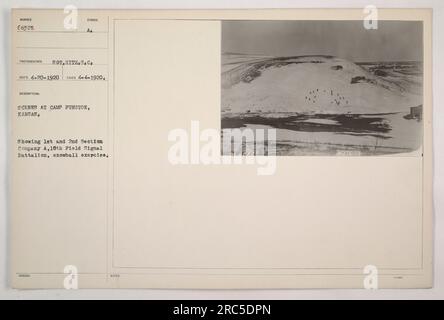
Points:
x=312, y=84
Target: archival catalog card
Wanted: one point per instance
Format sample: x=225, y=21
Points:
x=221, y=148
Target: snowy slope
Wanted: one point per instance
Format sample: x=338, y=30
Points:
x=315, y=84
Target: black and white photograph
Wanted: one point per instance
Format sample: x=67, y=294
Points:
x=326, y=87
x=222, y=156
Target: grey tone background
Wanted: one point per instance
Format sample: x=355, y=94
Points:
x=438, y=130
x=392, y=41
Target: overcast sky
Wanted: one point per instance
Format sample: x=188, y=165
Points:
x=392, y=41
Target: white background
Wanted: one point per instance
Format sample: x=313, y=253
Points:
x=438, y=129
